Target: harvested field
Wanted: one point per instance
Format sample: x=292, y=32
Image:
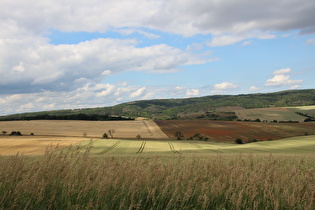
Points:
x=66, y=133
x=269, y=114
x=230, y=130
x=92, y=129
x=301, y=144
x=33, y=145
x=309, y=110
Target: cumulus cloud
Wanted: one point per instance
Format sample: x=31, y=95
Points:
x=181, y=17
x=282, y=78
x=254, y=88
x=235, y=17
x=224, y=86
x=282, y=71
x=192, y=92
x=138, y=92
x=222, y=40
x=310, y=41
x=57, y=67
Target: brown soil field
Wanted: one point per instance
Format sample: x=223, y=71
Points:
x=230, y=130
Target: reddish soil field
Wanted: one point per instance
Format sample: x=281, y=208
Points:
x=230, y=130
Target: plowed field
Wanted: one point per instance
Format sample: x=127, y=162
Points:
x=230, y=130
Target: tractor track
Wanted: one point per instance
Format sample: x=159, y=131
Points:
x=172, y=148
x=110, y=148
x=141, y=147
x=196, y=145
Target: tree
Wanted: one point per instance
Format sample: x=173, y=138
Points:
x=178, y=135
x=111, y=133
x=138, y=136
x=238, y=141
x=105, y=136
x=4, y=132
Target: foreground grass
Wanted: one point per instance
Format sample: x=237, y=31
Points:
x=72, y=180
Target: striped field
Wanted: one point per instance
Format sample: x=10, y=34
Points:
x=303, y=144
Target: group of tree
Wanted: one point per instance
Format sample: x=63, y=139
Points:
x=109, y=134
x=179, y=135
x=173, y=108
x=80, y=116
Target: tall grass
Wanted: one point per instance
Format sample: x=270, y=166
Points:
x=73, y=180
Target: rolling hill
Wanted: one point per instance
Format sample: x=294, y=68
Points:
x=217, y=107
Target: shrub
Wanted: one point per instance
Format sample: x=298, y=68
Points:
x=15, y=133
x=238, y=141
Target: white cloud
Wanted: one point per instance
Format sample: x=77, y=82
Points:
x=181, y=17
x=245, y=43
x=310, y=41
x=107, y=73
x=281, y=78
x=192, y=92
x=282, y=71
x=138, y=92
x=254, y=88
x=108, y=89
x=44, y=66
x=224, y=86
x=222, y=40
x=295, y=87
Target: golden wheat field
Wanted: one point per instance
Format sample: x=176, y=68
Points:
x=65, y=133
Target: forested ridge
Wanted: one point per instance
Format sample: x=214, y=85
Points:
x=174, y=108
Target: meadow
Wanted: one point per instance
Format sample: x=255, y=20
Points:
x=75, y=180
x=270, y=114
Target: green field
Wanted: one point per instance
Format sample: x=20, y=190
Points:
x=309, y=110
x=302, y=144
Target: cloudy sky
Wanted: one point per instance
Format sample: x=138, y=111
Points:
x=61, y=54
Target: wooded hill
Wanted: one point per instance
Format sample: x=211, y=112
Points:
x=218, y=106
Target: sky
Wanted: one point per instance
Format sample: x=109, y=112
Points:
x=71, y=54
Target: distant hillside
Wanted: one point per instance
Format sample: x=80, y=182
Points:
x=208, y=107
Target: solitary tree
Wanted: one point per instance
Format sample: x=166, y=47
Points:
x=178, y=135
x=138, y=136
x=4, y=132
x=105, y=136
x=111, y=133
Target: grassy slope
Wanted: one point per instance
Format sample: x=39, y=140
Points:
x=309, y=110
